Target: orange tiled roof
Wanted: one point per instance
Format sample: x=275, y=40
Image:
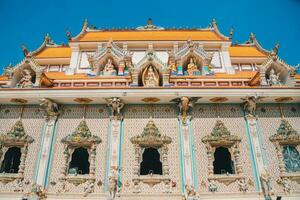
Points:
x=55, y=52
x=3, y=78
x=238, y=75
x=150, y=35
x=63, y=76
x=245, y=51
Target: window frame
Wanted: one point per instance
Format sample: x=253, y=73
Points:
x=81, y=137
x=16, y=137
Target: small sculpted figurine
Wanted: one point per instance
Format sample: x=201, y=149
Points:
x=49, y=107
x=274, y=78
x=151, y=79
x=109, y=68
x=116, y=106
x=26, y=80
x=191, y=67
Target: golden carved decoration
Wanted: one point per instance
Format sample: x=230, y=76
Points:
x=83, y=100
x=19, y=101
x=150, y=100
x=283, y=99
x=219, y=99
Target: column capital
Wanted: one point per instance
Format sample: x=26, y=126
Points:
x=116, y=105
x=50, y=109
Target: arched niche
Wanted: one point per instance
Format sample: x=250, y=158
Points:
x=104, y=61
x=150, y=75
x=223, y=162
x=191, y=59
x=279, y=71
x=24, y=77
x=151, y=162
x=153, y=143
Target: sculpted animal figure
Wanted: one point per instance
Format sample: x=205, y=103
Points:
x=250, y=104
x=116, y=105
x=185, y=105
x=49, y=107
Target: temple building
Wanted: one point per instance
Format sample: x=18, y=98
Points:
x=148, y=113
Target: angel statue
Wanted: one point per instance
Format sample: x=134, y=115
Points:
x=26, y=80
x=274, y=78
x=185, y=105
x=250, y=104
x=49, y=107
x=116, y=106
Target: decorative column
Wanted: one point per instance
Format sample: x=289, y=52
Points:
x=51, y=112
x=251, y=121
x=185, y=105
x=115, y=140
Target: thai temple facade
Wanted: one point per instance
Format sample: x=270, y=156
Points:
x=150, y=113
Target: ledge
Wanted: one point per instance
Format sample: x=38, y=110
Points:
x=9, y=177
x=151, y=180
x=226, y=179
x=78, y=179
x=294, y=176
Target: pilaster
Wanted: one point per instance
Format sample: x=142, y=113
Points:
x=44, y=161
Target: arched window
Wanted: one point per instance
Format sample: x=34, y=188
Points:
x=151, y=162
x=79, y=162
x=291, y=158
x=11, y=160
x=223, y=163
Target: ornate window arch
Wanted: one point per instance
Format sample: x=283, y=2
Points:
x=151, y=138
x=80, y=138
x=221, y=137
x=286, y=140
x=16, y=137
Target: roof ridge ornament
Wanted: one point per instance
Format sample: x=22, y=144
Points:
x=231, y=33
x=150, y=26
x=275, y=49
x=25, y=51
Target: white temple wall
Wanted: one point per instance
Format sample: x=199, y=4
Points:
x=33, y=123
x=269, y=120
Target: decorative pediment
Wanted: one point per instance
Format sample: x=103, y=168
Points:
x=110, y=50
x=151, y=137
x=82, y=136
x=191, y=49
x=274, y=71
x=16, y=135
x=286, y=134
x=151, y=59
x=220, y=135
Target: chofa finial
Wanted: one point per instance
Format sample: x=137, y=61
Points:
x=252, y=37
x=25, y=50
x=275, y=49
x=231, y=33
x=150, y=22
x=69, y=35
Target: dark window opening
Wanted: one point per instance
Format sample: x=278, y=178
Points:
x=151, y=162
x=79, y=162
x=291, y=158
x=223, y=163
x=11, y=161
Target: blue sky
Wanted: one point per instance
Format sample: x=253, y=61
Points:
x=27, y=22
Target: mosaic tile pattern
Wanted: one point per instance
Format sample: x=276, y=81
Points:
x=269, y=121
x=205, y=117
x=97, y=120
x=136, y=118
x=33, y=123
